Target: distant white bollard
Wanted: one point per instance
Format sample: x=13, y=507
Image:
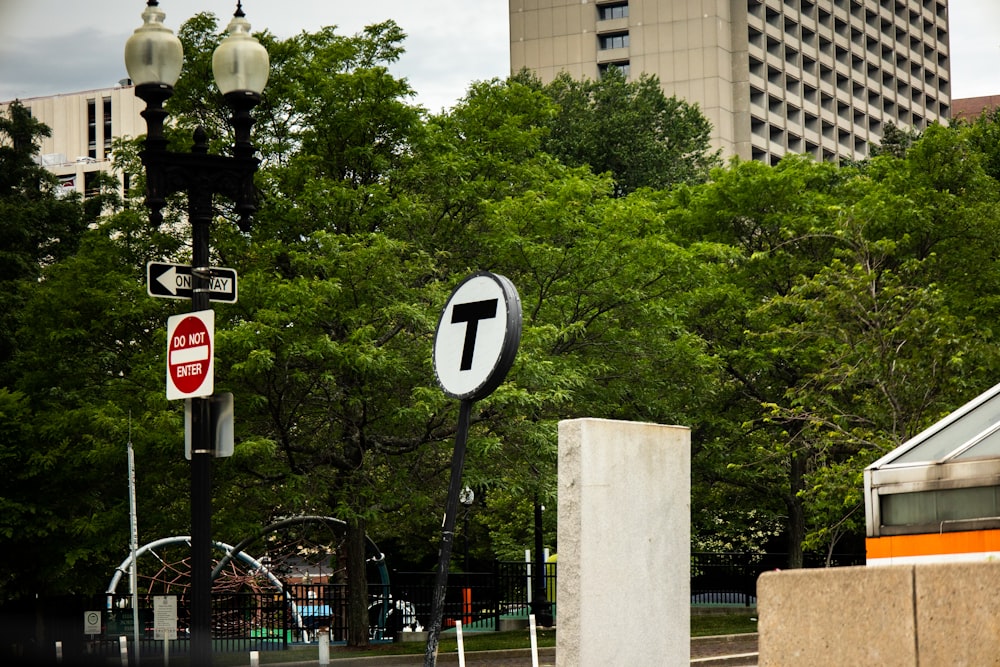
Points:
x=254, y=658
x=461, y=643
x=58, y=651
x=534, y=640
x=123, y=648
x=324, y=646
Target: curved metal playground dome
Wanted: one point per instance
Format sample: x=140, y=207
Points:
x=289, y=554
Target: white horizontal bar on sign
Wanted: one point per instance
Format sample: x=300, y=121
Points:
x=189, y=354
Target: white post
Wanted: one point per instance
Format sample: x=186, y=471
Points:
x=324, y=646
x=134, y=543
x=527, y=568
x=461, y=644
x=254, y=658
x=545, y=573
x=534, y=640
x=123, y=650
x=58, y=651
x=166, y=652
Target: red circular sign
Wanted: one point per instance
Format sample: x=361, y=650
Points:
x=189, y=352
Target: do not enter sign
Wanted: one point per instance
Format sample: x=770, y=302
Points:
x=190, y=372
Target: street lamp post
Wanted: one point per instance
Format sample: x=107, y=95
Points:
x=153, y=58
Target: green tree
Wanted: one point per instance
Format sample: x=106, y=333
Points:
x=895, y=141
x=848, y=325
x=86, y=374
x=331, y=330
x=629, y=129
x=778, y=223
x=37, y=227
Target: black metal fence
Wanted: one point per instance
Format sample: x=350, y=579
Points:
x=241, y=622
x=730, y=579
x=480, y=600
x=271, y=620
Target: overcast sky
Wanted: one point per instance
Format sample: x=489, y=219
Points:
x=60, y=46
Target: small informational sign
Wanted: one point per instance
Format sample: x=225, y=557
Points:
x=165, y=617
x=92, y=622
x=221, y=415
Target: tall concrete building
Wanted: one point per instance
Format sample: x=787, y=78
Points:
x=773, y=76
x=83, y=125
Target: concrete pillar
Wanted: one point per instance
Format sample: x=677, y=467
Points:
x=624, y=589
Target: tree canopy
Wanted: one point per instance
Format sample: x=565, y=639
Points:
x=802, y=318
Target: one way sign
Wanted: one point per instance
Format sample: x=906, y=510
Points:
x=173, y=281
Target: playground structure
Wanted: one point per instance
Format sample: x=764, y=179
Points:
x=300, y=559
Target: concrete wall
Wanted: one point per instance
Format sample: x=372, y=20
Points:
x=906, y=616
x=623, y=590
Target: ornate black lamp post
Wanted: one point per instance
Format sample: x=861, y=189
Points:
x=153, y=58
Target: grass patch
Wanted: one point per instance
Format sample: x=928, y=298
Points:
x=723, y=624
x=701, y=626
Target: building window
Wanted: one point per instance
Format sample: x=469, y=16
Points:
x=615, y=10
x=615, y=40
x=92, y=129
x=90, y=185
x=926, y=508
x=107, y=126
x=622, y=66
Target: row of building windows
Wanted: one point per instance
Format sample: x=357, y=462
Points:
x=788, y=45
x=834, y=120
x=612, y=10
x=779, y=124
x=918, y=35
x=92, y=121
x=824, y=79
x=871, y=85
x=905, y=9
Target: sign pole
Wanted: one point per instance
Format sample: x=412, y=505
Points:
x=200, y=215
x=474, y=347
x=448, y=533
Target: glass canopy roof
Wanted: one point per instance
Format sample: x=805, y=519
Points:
x=971, y=432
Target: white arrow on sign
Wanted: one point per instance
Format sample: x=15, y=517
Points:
x=173, y=281
x=170, y=282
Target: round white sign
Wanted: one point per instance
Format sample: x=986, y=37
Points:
x=477, y=336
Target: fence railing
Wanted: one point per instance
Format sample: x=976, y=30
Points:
x=480, y=600
x=730, y=579
x=271, y=620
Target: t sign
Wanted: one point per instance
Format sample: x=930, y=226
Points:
x=477, y=336
x=190, y=339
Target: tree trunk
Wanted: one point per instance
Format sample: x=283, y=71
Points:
x=541, y=607
x=357, y=584
x=796, y=511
